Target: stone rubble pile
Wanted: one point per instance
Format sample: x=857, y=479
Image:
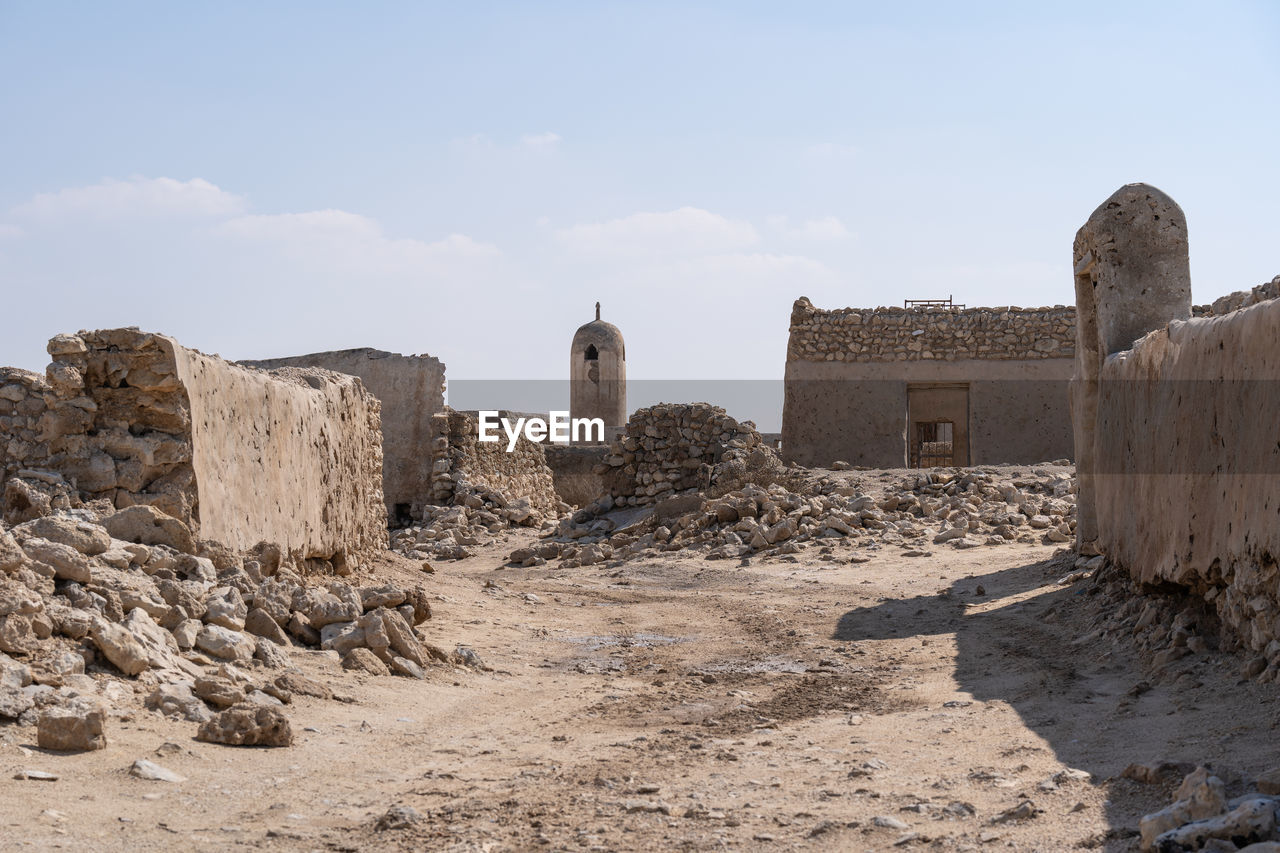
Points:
x=670, y=448
x=1202, y=817
x=478, y=517
x=956, y=508
x=1239, y=299
x=192, y=624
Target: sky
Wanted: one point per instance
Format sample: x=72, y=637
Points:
x=467, y=179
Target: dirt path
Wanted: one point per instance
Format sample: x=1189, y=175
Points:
x=678, y=703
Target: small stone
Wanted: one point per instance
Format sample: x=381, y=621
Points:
x=36, y=776
x=153, y=772
x=363, y=660
x=397, y=817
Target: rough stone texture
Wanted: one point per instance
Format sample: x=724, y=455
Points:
x=851, y=373
x=1132, y=275
x=671, y=447
x=598, y=373
x=930, y=334
x=573, y=471
x=1239, y=299
x=252, y=725
x=464, y=464
x=71, y=729
x=1180, y=462
x=147, y=525
x=135, y=418
x=411, y=390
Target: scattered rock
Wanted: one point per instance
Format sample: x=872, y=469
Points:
x=256, y=725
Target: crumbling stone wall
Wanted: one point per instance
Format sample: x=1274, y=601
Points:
x=945, y=334
x=411, y=390
x=1239, y=299
x=1179, y=478
x=465, y=465
x=573, y=470
x=850, y=372
x=667, y=448
x=240, y=455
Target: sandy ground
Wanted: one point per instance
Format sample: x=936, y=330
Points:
x=681, y=704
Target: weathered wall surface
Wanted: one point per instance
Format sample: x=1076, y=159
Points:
x=239, y=455
x=1187, y=483
x=944, y=334
x=857, y=412
x=411, y=390
x=666, y=447
x=1181, y=473
x=464, y=464
x=573, y=470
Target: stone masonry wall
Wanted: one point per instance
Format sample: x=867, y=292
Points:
x=240, y=455
x=666, y=447
x=411, y=390
x=947, y=334
x=465, y=465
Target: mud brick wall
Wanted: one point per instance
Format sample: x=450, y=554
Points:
x=1179, y=474
x=411, y=390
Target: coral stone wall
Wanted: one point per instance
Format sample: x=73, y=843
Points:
x=665, y=448
x=465, y=464
x=945, y=334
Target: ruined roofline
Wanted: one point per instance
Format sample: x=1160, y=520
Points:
x=803, y=304
x=368, y=352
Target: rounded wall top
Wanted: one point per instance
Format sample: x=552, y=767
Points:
x=604, y=336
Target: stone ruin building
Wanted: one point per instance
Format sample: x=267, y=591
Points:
x=926, y=386
x=1177, y=443
x=411, y=391
x=598, y=373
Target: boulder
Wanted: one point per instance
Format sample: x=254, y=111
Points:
x=260, y=624
x=71, y=729
x=248, y=725
x=225, y=606
x=76, y=533
x=225, y=644
x=363, y=660
x=119, y=646
x=59, y=561
x=147, y=525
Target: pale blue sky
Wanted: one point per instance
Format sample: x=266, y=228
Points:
x=466, y=179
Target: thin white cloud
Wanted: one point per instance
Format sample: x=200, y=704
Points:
x=686, y=230
x=114, y=199
x=831, y=149
x=541, y=140
x=349, y=241
x=825, y=229
x=10, y=232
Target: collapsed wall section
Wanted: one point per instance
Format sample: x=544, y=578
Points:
x=411, y=390
x=668, y=448
x=240, y=455
x=465, y=466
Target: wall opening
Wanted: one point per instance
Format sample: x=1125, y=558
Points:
x=592, y=354
x=937, y=425
x=933, y=445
